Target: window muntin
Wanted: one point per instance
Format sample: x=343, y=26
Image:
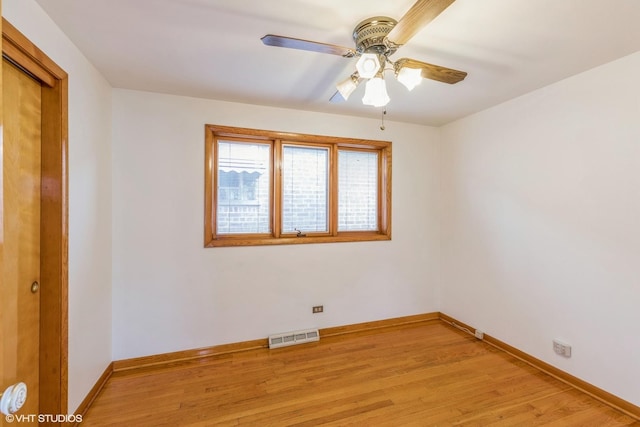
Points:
x=259, y=184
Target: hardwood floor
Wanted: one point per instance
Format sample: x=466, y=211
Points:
x=427, y=374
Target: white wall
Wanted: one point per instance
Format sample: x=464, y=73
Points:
x=541, y=223
x=172, y=294
x=89, y=198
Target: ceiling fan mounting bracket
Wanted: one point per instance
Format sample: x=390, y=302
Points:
x=370, y=36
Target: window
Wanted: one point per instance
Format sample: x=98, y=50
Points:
x=305, y=189
x=243, y=186
x=357, y=190
x=264, y=187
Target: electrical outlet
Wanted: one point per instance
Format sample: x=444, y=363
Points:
x=562, y=348
x=317, y=309
x=479, y=334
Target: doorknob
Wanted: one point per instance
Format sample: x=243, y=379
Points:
x=13, y=398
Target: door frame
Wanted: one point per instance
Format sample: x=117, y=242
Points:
x=54, y=265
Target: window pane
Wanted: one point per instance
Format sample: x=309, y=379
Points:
x=243, y=188
x=357, y=191
x=304, y=189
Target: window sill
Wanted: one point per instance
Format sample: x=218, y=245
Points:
x=266, y=241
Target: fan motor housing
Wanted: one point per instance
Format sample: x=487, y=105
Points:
x=370, y=35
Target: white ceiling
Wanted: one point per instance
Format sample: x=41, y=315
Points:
x=212, y=49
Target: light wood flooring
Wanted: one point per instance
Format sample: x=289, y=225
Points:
x=428, y=374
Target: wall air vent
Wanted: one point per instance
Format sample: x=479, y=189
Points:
x=292, y=338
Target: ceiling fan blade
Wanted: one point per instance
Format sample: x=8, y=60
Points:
x=292, y=43
x=433, y=72
x=420, y=14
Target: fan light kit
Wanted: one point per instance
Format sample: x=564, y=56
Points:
x=376, y=39
x=368, y=65
x=376, y=92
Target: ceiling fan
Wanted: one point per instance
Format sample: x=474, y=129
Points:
x=376, y=39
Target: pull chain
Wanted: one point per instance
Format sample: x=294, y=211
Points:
x=384, y=112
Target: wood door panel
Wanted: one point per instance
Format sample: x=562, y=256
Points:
x=22, y=104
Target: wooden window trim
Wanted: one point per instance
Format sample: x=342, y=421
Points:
x=277, y=140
